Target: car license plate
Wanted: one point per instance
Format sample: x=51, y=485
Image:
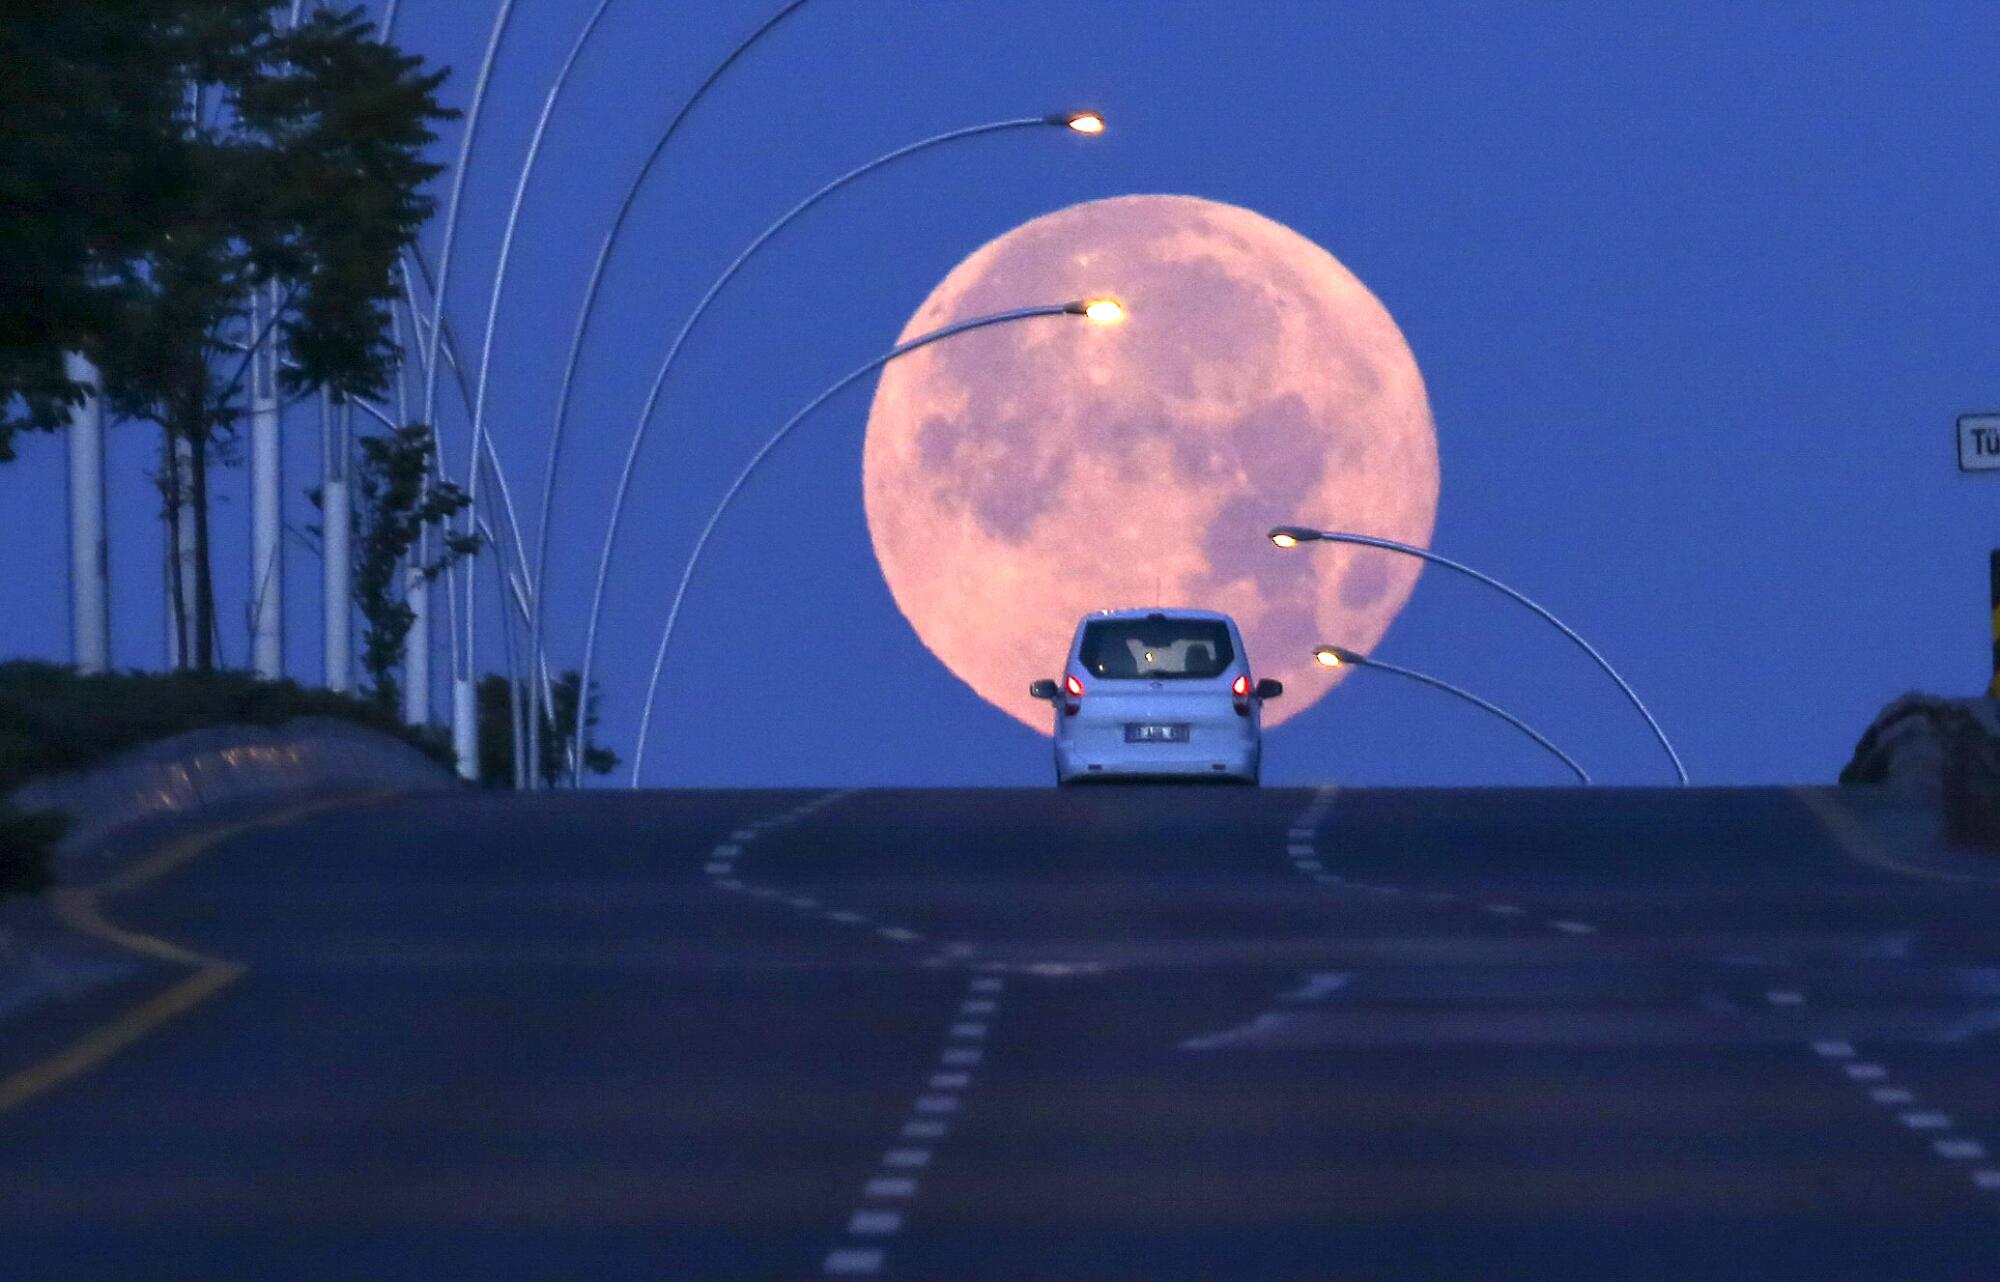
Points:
x=1143, y=732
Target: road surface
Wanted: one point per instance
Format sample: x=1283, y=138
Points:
x=1137, y=1033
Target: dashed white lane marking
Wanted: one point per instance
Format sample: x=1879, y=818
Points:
x=721, y=868
x=1952, y=1148
x=875, y=1223
x=1318, y=986
x=853, y=1263
x=1783, y=998
x=1302, y=849
x=893, y=1185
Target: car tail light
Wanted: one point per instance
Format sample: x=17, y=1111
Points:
x=1075, y=687
x=1240, y=687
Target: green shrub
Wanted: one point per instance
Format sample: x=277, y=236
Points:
x=52, y=719
x=26, y=842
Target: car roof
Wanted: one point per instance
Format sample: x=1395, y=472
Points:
x=1147, y=612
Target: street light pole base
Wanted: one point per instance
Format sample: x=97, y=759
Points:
x=465, y=728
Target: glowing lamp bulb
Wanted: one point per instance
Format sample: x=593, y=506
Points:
x=1326, y=658
x=1288, y=541
x=1087, y=122
x=1104, y=311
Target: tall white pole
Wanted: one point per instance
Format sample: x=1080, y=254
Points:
x=89, y=552
x=337, y=567
x=182, y=560
x=417, y=642
x=465, y=725
x=267, y=583
x=463, y=706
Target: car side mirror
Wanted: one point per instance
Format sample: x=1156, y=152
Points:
x=1043, y=689
x=1269, y=688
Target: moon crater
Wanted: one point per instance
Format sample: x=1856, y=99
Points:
x=1021, y=476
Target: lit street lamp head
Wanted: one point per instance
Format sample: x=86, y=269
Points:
x=1332, y=656
x=1288, y=536
x=1083, y=122
x=1104, y=311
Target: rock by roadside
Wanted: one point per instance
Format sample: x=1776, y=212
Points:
x=1942, y=751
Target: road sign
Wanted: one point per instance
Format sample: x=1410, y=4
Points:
x=1979, y=442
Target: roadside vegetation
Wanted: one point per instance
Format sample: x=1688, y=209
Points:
x=496, y=733
x=186, y=182
x=53, y=720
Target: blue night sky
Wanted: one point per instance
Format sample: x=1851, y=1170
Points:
x=1697, y=293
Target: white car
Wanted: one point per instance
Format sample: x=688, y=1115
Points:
x=1157, y=694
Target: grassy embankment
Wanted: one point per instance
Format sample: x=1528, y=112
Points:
x=53, y=720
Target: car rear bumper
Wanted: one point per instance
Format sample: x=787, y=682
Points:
x=1237, y=762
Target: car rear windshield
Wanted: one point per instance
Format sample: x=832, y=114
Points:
x=1158, y=647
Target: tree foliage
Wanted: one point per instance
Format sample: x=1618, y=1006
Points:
x=393, y=506
x=92, y=165
x=496, y=732
x=194, y=176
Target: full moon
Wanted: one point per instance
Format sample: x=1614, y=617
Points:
x=1019, y=477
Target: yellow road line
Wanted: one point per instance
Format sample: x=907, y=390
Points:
x=107, y=1040
x=175, y=853
x=1862, y=842
x=82, y=911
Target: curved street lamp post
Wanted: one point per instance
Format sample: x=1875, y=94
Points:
x=1100, y=311
x=1081, y=122
x=464, y=709
x=582, y=329
x=1333, y=656
x=1288, y=536
x=469, y=650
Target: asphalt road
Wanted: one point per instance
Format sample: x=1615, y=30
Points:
x=1141, y=1033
